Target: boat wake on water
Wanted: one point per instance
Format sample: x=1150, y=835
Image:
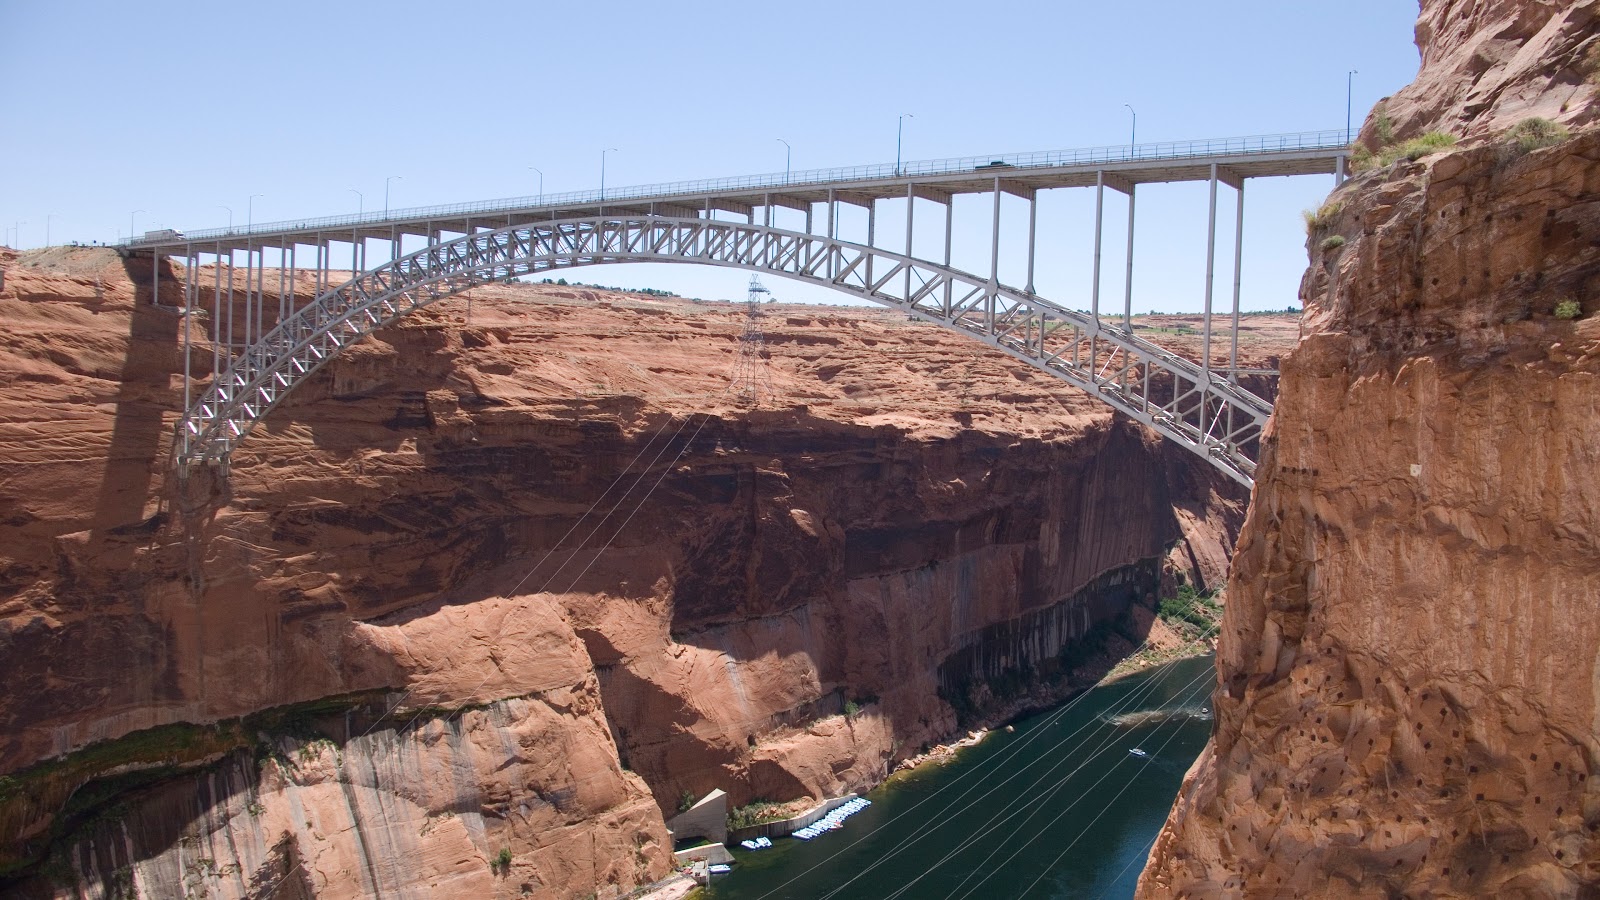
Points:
x=1158, y=716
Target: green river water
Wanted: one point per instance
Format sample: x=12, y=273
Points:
x=1059, y=808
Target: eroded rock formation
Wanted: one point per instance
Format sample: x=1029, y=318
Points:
x=1489, y=64
x=423, y=637
x=1409, y=670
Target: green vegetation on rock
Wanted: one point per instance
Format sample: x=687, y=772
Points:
x=1535, y=134
x=759, y=812
x=1417, y=147
x=1323, y=217
x=1190, y=607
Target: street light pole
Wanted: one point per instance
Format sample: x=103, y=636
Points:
x=17, y=228
x=1349, y=84
x=386, y=192
x=250, y=211
x=541, y=182
x=130, y=226
x=899, y=133
x=787, y=153
x=603, y=171
x=47, y=219
x=219, y=206
x=361, y=201
x=1133, y=129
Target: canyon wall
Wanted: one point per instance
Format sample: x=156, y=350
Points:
x=480, y=603
x=1408, y=695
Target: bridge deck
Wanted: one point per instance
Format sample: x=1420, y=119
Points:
x=1121, y=167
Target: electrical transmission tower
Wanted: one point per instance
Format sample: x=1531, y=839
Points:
x=752, y=375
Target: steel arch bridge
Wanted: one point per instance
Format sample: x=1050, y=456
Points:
x=1209, y=415
x=1197, y=405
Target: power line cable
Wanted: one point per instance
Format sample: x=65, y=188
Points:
x=978, y=770
x=1063, y=757
x=1038, y=804
x=1066, y=757
x=1177, y=729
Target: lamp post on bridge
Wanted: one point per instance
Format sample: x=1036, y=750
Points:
x=1349, y=84
x=386, y=192
x=361, y=201
x=130, y=226
x=899, y=133
x=540, y=201
x=16, y=229
x=249, y=212
x=1133, y=129
x=787, y=154
x=603, y=173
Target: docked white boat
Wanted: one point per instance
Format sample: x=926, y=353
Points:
x=1139, y=753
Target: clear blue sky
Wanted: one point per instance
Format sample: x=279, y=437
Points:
x=179, y=109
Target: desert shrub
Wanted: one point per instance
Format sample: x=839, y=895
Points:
x=1360, y=159
x=1333, y=242
x=1383, y=127
x=1417, y=147
x=1189, y=606
x=1323, y=217
x=1536, y=134
x=1568, y=309
x=758, y=812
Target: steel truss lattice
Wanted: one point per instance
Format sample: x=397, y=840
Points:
x=752, y=375
x=1199, y=409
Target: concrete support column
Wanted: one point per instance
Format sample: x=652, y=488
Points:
x=1033, y=222
x=1127, y=283
x=994, y=258
x=1211, y=267
x=1099, y=217
x=911, y=209
x=1238, y=267
x=949, y=222
x=872, y=237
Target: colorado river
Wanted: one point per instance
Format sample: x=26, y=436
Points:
x=1075, y=819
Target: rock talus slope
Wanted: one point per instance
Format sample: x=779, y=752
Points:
x=480, y=603
x=1409, y=670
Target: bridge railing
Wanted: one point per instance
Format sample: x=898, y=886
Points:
x=778, y=182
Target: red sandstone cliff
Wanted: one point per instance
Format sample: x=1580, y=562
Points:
x=1409, y=671
x=382, y=658
x=1489, y=64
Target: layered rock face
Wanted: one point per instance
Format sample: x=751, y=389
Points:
x=1409, y=670
x=1489, y=64
x=477, y=605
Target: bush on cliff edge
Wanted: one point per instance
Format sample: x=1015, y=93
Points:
x=1536, y=134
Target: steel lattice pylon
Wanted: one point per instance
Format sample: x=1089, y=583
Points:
x=752, y=371
x=1194, y=406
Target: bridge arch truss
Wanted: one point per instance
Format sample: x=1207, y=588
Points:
x=1192, y=404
